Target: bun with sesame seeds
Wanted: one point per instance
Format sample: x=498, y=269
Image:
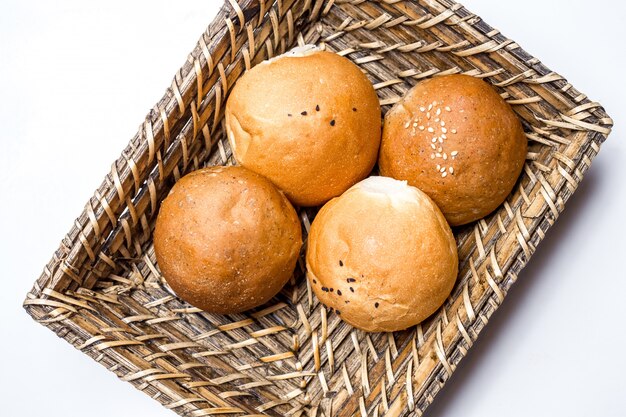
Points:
x=381, y=255
x=457, y=140
x=309, y=121
x=226, y=239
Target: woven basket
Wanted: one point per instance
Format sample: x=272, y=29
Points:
x=103, y=293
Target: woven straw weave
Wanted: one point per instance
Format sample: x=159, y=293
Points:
x=103, y=293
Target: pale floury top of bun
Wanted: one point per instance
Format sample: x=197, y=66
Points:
x=297, y=52
x=397, y=192
x=381, y=255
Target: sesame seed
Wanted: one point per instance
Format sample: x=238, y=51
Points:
x=437, y=120
x=447, y=108
x=453, y=131
x=444, y=130
x=451, y=170
x=434, y=103
x=443, y=169
x=432, y=156
x=443, y=123
x=432, y=145
x=443, y=136
x=422, y=128
x=430, y=107
x=422, y=109
x=454, y=153
x=434, y=140
x=332, y=122
x=438, y=167
x=438, y=112
x=445, y=156
x=438, y=155
x=440, y=149
x=428, y=115
x=407, y=124
x=431, y=130
x=440, y=140
x=444, y=174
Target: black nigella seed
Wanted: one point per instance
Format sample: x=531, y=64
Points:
x=317, y=108
x=304, y=113
x=324, y=289
x=351, y=289
x=289, y=114
x=353, y=108
x=351, y=280
x=338, y=292
x=331, y=290
x=332, y=122
x=347, y=302
x=340, y=262
x=338, y=312
x=314, y=282
x=376, y=305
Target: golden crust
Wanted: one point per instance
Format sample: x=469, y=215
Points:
x=481, y=153
x=226, y=239
x=383, y=262
x=310, y=124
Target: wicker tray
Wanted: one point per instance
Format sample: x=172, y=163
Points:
x=102, y=291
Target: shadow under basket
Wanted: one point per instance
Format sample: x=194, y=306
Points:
x=103, y=293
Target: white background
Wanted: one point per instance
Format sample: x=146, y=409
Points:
x=78, y=77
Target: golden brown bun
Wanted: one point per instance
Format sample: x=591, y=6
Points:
x=311, y=124
x=226, y=239
x=382, y=255
x=472, y=169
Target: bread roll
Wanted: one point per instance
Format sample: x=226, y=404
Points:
x=226, y=239
x=381, y=255
x=457, y=140
x=309, y=121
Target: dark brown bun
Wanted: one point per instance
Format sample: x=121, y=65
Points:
x=382, y=255
x=226, y=239
x=457, y=140
x=309, y=121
